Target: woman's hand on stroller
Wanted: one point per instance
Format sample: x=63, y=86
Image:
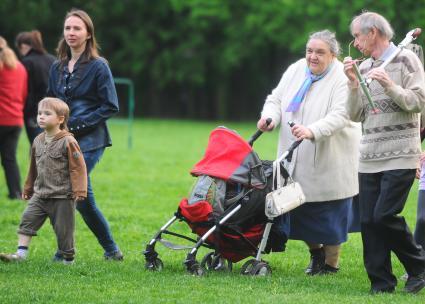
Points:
x=301, y=132
x=263, y=126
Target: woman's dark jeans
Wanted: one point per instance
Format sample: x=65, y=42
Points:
x=91, y=214
x=9, y=136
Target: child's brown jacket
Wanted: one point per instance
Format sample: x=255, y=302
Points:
x=57, y=169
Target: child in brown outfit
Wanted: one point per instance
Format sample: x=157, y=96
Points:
x=57, y=178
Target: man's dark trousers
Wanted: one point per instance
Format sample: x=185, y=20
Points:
x=382, y=197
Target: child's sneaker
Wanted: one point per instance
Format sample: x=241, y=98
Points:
x=65, y=262
x=58, y=257
x=11, y=257
x=114, y=256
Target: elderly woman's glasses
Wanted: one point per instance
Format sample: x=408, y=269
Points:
x=360, y=59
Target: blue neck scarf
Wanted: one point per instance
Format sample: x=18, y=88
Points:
x=299, y=96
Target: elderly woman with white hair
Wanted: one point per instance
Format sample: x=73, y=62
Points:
x=389, y=151
x=312, y=93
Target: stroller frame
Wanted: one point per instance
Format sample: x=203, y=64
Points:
x=213, y=260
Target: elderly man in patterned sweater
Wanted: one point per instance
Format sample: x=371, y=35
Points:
x=389, y=151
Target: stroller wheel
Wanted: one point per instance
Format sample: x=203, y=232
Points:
x=197, y=270
x=207, y=261
x=261, y=269
x=248, y=266
x=215, y=262
x=155, y=265
x=221, y=264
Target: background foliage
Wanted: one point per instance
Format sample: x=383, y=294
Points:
x=214, y=59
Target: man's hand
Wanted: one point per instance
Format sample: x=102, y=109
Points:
x=349, y=70
x=380, y=75
x=422, y=158
x=421, y=162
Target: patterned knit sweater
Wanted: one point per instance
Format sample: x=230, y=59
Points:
x=390, y=138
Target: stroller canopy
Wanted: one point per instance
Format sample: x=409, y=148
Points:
x=229, y=157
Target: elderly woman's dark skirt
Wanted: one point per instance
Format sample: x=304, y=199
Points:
x=321, y=222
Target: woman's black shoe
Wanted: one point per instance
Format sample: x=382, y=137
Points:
x=327, y=269
x=317, y=261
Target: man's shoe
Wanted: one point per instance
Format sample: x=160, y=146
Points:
x=404, y=277
x=114, y=256
x=328, y=269
x=415, y=283
x=317, y=261
x=374, y=291
x=11, y=257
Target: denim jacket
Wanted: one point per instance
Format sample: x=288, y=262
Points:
x=90, y=94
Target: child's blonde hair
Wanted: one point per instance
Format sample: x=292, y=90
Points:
x=60, y=108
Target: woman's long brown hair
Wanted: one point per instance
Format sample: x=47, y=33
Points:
x=33, y=39
x=91, y=50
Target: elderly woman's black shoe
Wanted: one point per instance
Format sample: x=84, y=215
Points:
x=328, y=269
x=317, y=261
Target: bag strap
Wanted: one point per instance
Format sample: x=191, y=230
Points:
x=277, y=177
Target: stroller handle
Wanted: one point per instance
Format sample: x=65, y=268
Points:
x=288, y=154
x=258, y=133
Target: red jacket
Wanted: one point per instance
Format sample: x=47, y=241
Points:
x=13, y=93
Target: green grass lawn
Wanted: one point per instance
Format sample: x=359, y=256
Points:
x=138, y=190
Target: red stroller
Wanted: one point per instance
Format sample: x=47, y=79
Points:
x=226, y=209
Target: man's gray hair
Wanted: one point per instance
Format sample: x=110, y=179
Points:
x=369, y=20
x=329, y=38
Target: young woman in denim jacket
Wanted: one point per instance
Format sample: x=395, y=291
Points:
x=84, y=81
